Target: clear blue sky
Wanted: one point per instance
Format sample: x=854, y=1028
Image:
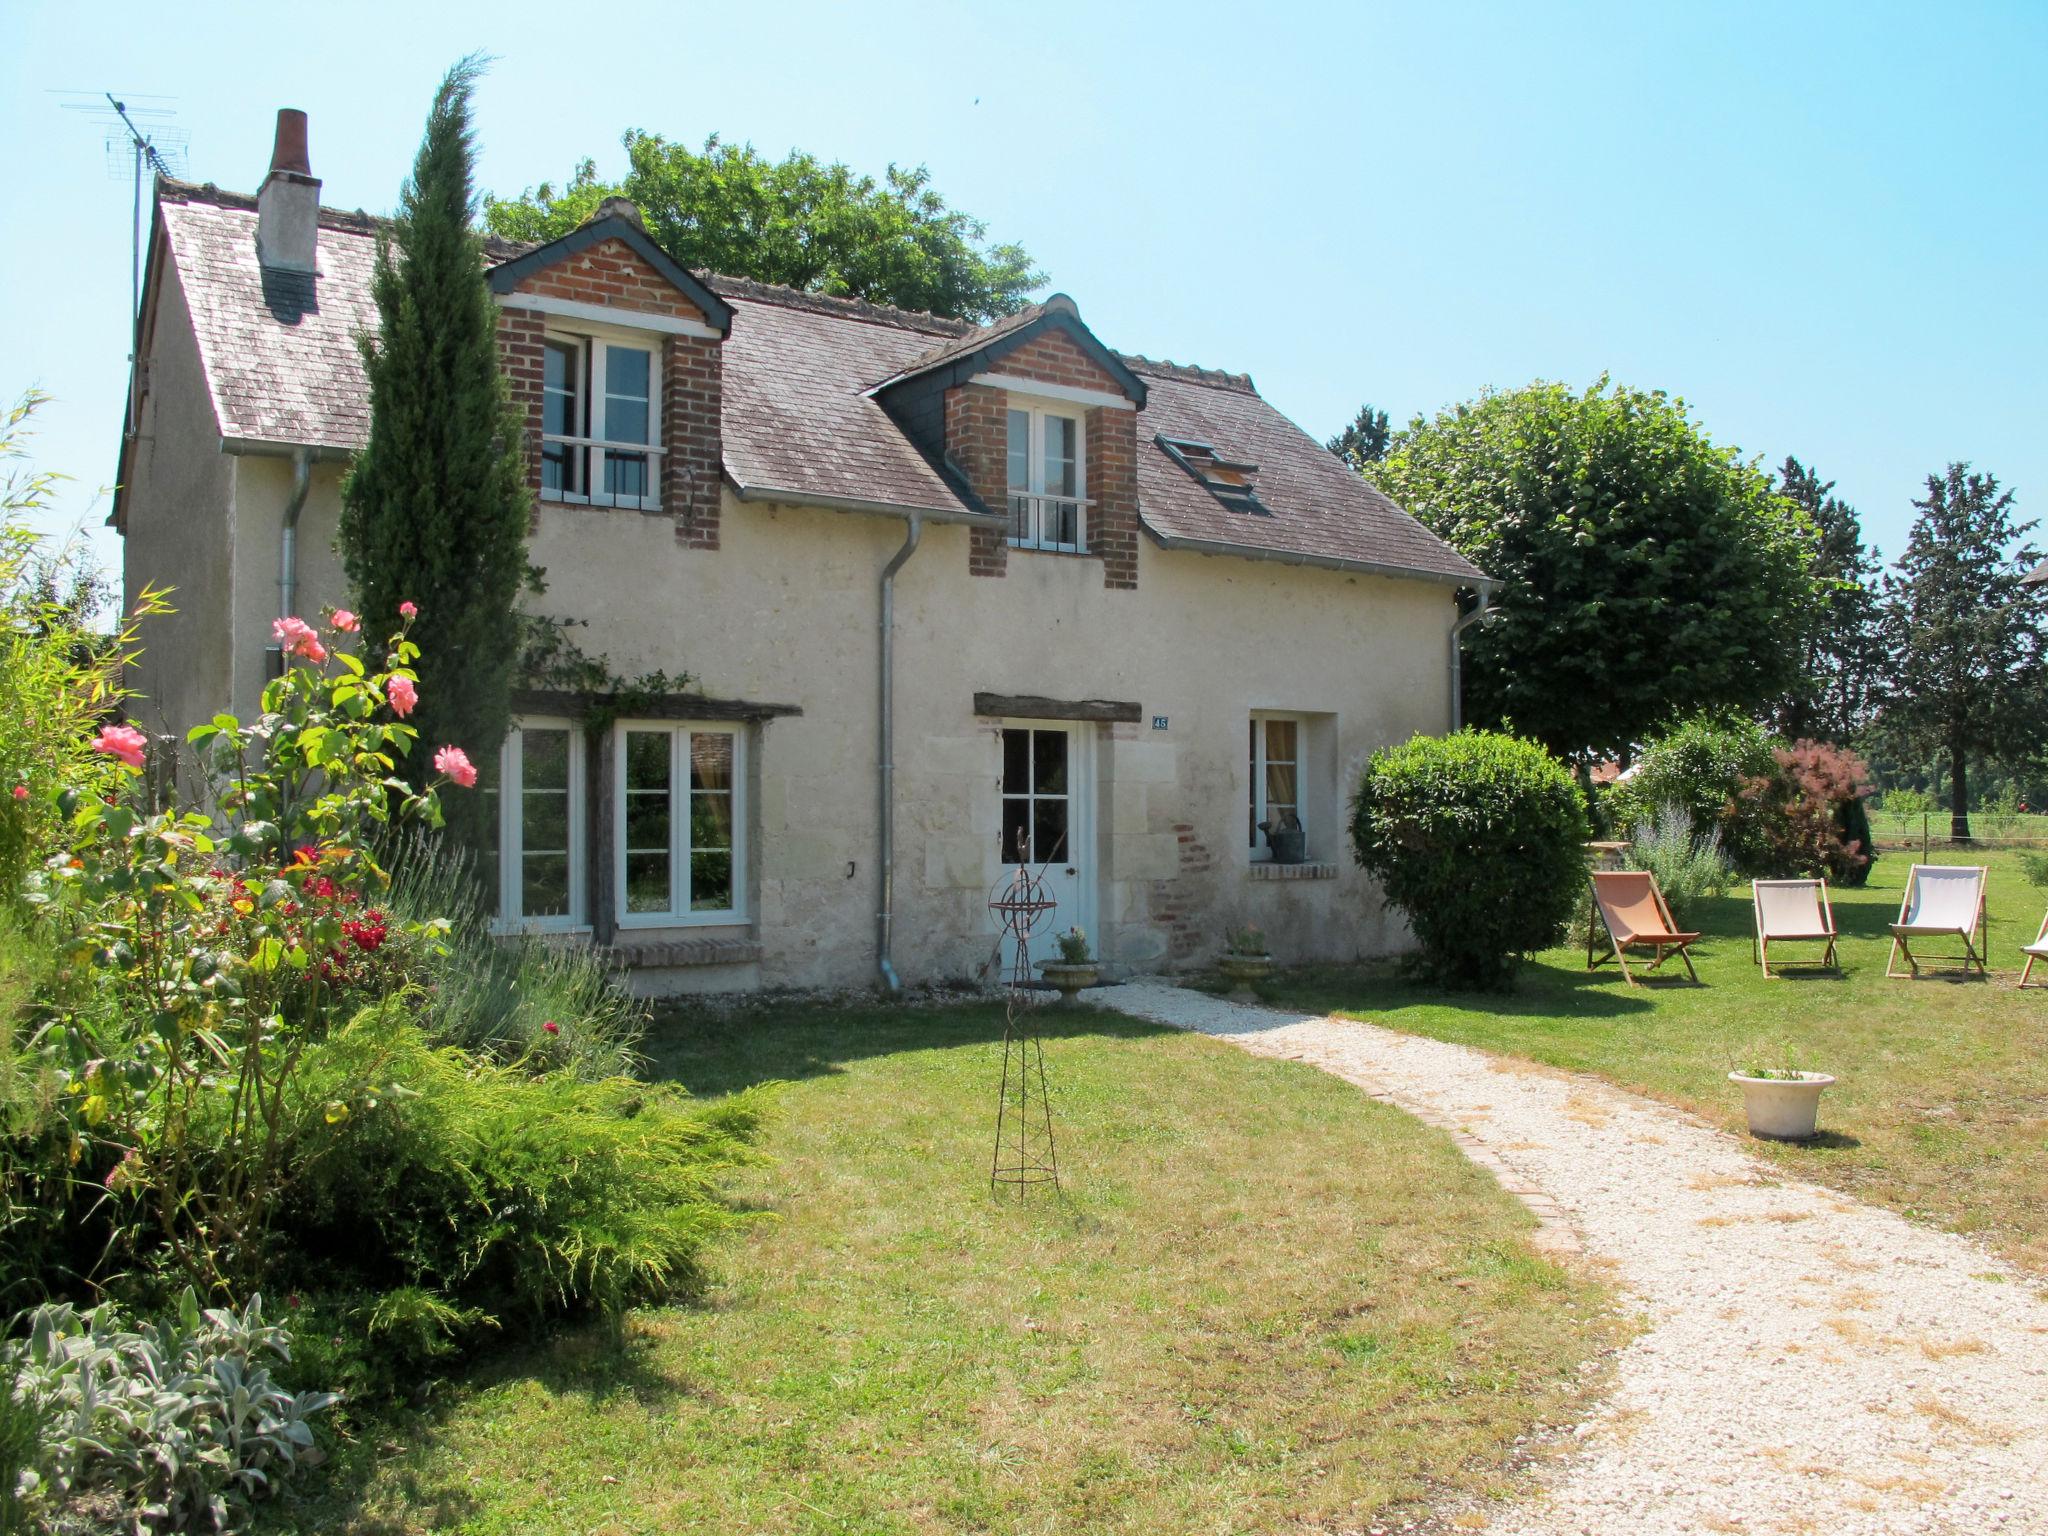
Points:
x=1823, y=225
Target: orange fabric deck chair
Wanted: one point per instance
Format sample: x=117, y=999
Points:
x=1636, y=917
x=1941, y=901
x=1792, y=909
x=2038, y=950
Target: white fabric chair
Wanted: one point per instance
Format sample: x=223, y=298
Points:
x=2038, y=950
x=1792, y=909
x=1941, y=900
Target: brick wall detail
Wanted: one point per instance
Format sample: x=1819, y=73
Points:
x=613, y=275
x=977, y=442
x=1180, y=906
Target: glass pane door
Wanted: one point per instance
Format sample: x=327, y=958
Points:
x=1037, y=800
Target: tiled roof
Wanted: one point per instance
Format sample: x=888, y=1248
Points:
x=281, y=362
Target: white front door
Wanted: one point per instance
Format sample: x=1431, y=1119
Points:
x=1048, y=823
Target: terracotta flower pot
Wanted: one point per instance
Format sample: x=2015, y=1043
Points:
x=1782, y=1108
x=1244, y=970
x=1070, y=977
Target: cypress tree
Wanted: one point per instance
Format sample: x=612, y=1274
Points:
x=435, y=507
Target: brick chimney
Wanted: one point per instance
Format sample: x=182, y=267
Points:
x=288, y=206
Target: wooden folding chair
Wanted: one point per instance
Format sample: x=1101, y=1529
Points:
x=1796, y=910
x=2038, y=950
x=1636, y=917
x=1941, y=900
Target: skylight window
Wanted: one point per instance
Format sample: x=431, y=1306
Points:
x=1234, y=482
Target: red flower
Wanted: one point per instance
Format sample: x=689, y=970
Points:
x=552, y=1027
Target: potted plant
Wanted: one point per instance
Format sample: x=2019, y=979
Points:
x=1245, y=960
x=1075, y=970
x=1782, y=1102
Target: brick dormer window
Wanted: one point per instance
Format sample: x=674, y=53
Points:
x=601, y=419
x=1047, y=470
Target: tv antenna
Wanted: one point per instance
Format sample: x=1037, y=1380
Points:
x=139, y=138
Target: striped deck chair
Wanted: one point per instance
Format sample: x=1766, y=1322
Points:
x=1941, y=901
x=1792, y=909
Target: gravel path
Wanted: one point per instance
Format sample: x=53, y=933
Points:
x=1808, y=1363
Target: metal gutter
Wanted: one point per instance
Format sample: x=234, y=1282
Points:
x=288, y=533
x=1478, y=615
x=885, y=914
x=1484, y=585
x=270, y=448
x=758, y=493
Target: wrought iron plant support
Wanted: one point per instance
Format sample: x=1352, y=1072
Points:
x=1025, y=1157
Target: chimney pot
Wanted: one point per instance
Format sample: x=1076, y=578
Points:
x=288, y=202
x=288, y=153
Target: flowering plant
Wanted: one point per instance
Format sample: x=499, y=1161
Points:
x=237, y=940
x=1073, y=947
x=1248, y=940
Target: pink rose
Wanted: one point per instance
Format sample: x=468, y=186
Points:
x=408, y=611
x=297, y=638
x=21, y=791
x=403, y=696
x=122, y=741
x=346, y=622
x=455, y=762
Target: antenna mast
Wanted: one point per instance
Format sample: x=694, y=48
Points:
x=138, y=138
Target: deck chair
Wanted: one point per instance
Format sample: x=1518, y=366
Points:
x=2038, y=950
x=1791, y=909
x=1636, y=917
x=1941, y=900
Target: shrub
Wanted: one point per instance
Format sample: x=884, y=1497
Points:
x=1804, y=816
x=1479, y=838
x=497, y=995
x=462, y=1193
x=173, y=1426
x=1688, y=865
x=1700, y=765
x=200, y=960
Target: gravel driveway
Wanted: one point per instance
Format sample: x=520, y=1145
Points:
x=1808, y=1363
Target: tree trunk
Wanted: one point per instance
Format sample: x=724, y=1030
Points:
x=1958, y=795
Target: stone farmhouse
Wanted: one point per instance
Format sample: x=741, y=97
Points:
x=946, y=595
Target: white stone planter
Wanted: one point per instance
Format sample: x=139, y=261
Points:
x=1244, y=970
x=1069, y=978
x=1782, y=1108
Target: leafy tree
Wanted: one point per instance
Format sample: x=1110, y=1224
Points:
x=1967, y=638
x=1645, y=572
x=435, y=507
x=797, y=221
x=1843, y=646
x=1365, y=440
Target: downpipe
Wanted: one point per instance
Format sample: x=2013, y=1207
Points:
x=885, y=964
x=1483, y=612
x=288, y=541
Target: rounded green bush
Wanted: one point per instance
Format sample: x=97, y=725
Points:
x=1478, y=838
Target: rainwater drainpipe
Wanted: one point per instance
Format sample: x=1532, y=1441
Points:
x=885, y=965
x=1482, y=612
x=288, y=543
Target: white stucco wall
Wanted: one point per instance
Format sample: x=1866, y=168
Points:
x=785, y=613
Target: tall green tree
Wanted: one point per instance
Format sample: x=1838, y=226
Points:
x=1365, y=440
x=1646, y=573
x=435, y=507
x=1843, y=646
x=1967, y=639
x=796, y=221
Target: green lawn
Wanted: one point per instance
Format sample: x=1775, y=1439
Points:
x=1266, y=1302
x=1942, y=1105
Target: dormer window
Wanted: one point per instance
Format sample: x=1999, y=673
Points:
x=601, y=421
x=1047, y=470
